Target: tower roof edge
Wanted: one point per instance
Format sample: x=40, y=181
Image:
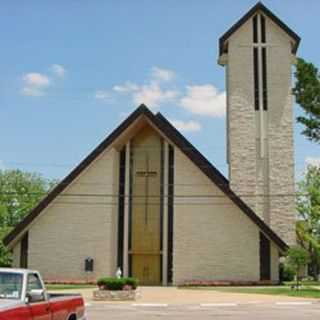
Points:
x=258, y=7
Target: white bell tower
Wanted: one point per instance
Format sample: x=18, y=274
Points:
x=258, y=53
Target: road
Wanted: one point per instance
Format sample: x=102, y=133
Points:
x=251, y=311
x=172, y=303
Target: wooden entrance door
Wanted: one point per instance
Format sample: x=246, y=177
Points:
x=145, y=219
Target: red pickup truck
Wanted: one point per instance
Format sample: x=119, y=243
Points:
x=23, y=297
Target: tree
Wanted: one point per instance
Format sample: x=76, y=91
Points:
x=308, y=225
x=19, y=193
x=307, y=93
x=5, y=256
x=297, y=259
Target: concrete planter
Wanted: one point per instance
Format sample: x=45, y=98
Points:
x=115, y=295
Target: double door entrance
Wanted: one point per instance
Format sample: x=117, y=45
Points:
x=145, y=218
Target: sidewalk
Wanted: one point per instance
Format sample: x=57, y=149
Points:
x=175, y=296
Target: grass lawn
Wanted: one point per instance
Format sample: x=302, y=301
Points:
x=304, y=292
x=304, y=283
x=51, y=287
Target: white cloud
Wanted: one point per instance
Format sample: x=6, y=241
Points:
x=102, y=95
x=187, y=126
x=36, y=79
x=152, y=95
x=35, y=84
x=312, y=161
x=31, y=91
x=159, y=74
x=204, y=100
x=127, y=87
x=58, y=70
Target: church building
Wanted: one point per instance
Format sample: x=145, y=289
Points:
x=147, y=201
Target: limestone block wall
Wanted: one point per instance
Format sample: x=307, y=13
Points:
x=73, y=228
x=213, y=239
x=265, y=184
x=16, y=251
x=280, y=131
x=242, y=149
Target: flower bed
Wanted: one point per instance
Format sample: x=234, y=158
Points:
x=222, y=283
x=116, y=289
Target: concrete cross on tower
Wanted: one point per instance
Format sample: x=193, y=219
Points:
x=258, y=52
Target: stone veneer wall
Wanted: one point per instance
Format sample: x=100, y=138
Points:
x=241, y=133
x=250, y=176
x=213, y=240
x=74, y=228
x=16, y=252
x=280, y=131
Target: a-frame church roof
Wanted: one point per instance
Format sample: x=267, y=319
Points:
x=259, y=7
x=173, y=135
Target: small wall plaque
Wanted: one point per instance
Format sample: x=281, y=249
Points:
x=88, y=265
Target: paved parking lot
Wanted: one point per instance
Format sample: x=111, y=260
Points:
x=301, y=311
x=172, y=303
x=173, y=295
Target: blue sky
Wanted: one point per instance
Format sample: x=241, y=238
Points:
x=72, y=70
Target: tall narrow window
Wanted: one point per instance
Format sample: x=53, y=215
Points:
x=121, y=206
x=255, y=29
x=24, y=251
x=264, y=78
x=256, y=77
x=263, y=29
x=130, y=212
x=170, y=212
x=162, y=188
x=265, y=258
x=260, y=63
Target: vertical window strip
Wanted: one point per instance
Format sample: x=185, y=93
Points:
x=24, y=251
x=255, y=29
x=121, y=206
x=130, y=212
x=161, y=194
x=264, y=79
x=170, y=212
x=263, y=29
x=256, y=78
x=265, y=258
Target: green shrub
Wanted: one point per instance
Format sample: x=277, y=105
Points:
x=117, y=283
x=287, y=273
x=133, y=282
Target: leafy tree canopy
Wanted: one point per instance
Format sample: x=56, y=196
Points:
x=297, y=259
x=19, y=193
x=308, y=208
x=307, y=93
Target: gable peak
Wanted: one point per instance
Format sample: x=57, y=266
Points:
x=258, y=7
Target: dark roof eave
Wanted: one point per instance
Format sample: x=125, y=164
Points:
x=72, y=175
x=259, y=6
x=216, y=177
x=181, y=142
